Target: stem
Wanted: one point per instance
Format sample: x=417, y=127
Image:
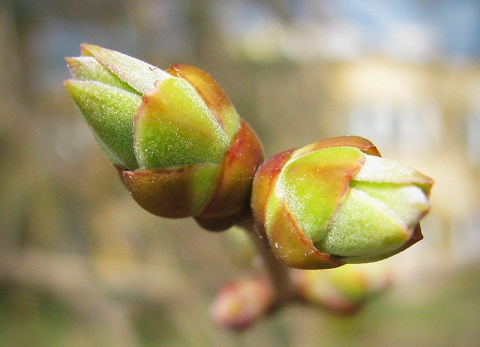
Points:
x=278, y=273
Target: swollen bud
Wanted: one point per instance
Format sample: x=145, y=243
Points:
x=344, y=289
x=336, y=202
x=241, y=303
x=175, y=138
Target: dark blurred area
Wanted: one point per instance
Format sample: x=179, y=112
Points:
x=82, y=265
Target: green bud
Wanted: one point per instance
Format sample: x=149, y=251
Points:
x=175, y=138
x=337, y=201
x=344, y=289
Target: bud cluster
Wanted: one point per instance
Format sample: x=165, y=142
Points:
x=182, y=150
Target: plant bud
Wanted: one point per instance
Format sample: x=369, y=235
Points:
x=239, y=304
x=175, y=138
x=345, y=289
x=336, y=202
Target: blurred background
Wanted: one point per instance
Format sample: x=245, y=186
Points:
x=82, y=265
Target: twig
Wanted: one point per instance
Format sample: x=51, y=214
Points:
x=278, y=274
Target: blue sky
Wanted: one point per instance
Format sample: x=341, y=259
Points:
x=454, y=23
x=431, y=29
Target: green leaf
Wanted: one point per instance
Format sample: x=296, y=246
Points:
x=364, y=227
x=109, y=112
x=175, y=127
x=407, y=201
x=316, y=184
x=377, y=169
x=136, y=73
x=89, y=69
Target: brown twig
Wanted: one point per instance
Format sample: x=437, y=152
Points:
x=278, y=274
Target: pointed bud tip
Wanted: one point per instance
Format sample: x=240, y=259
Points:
x=87, y=49
x=72, y=64
x=70, y=60
x=70, y=85
x=74, y=86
